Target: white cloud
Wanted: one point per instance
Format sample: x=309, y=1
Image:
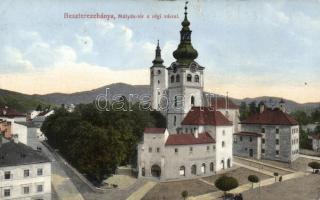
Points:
x=13, y=59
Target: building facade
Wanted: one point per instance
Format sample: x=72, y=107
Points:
x=270, y=134
x=24, y=173
x=198, y=138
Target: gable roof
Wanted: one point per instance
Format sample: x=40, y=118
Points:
x=223, y=103
x=14, y=154
x=11, y=113
x=244, y=133
x=315, y=136
x=270, y=117
x=154, y=130
x=189, y=139
x=205, y=116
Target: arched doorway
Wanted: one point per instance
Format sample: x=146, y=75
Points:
x=194, y=169
x=203, y=168
x=211, y=167
x=229, y=163
x=156, y=171
x=182, y=171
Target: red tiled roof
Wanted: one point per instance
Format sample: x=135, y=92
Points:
x=271, y=117
x=189, y=139
x=221, y=102
x=8, y=112
x=248, y=134
x=154, y=130
x=205, y=116
x=316, y=136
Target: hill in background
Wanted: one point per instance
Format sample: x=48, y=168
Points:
x=24, y=102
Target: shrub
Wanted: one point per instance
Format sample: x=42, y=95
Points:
x=226, y=183
x=314, y=165
x=184, y=194
x=275, y=174
x=253, y=179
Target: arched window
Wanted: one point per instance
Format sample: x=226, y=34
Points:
x=178, y=78
x=192, y=100
x=159, y=71
x=172, y=78
x=174, y=120
x=189, y=78
x=194, y=169
x=182, y=171
x=223, y=144
x=158, y=81
x=196, y=78
x=143, y=171
x=211, y=167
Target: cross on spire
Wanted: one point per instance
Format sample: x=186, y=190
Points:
x=186, y=8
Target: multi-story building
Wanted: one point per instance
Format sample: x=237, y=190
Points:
x=9, y=114
x=270, y=134
x=198, y=138
x=24, y=173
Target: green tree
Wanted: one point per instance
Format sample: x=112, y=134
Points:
x=96, y=142
x=244, y=111
x=184, y=194
x=253, y=179
x=252, y=108
x=301, y=117
x=275, y=174
x=304, y=141
x=314, y=165
x=226, y=183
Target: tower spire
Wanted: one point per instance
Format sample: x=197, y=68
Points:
x=158, y=59
x=185, y=53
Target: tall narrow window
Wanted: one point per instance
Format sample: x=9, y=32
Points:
x=175, y=101
x=196, y=78
x=174, y=120
x=189, y=78
x=178, y=78
x=192, y=100
x=172, y=78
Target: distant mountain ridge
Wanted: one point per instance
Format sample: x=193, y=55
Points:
x=126, y=89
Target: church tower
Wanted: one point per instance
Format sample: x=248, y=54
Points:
x=158, y=79
x=185, y=87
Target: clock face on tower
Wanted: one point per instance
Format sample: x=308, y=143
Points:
x=174, y=67
x=193, y=67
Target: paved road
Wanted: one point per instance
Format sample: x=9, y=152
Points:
x=62, y=185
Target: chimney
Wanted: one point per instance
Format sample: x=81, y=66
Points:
x=196, y=133
x=15, y=138
x=282, y=105
x=262, y=107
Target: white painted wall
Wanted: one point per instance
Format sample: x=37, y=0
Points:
x=18, y=181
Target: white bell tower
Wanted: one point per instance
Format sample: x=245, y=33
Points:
x=185, y=87
x=158, y=80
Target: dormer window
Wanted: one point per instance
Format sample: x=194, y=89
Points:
x=189, y=78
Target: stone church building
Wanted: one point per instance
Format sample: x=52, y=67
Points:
x=199, y=135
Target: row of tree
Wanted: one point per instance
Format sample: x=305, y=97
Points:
x=96, y=142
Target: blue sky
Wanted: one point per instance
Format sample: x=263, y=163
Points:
x=249, y=48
